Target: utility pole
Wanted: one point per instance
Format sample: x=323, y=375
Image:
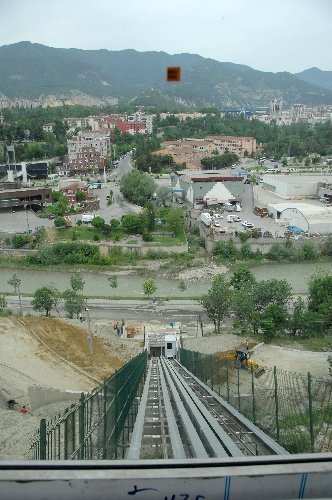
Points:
x=89, y=335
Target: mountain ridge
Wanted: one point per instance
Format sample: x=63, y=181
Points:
x=32, y=70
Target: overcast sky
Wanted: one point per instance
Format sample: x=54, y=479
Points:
x=268, y=35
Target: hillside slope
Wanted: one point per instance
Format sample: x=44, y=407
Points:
x=30, y=70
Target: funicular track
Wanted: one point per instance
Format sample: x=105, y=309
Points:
x=180, y=417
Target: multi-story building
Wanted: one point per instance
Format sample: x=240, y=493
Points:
x=87, y=152
x=233, y=144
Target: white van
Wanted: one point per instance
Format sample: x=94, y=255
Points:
x=86, y=218
x=230, y=218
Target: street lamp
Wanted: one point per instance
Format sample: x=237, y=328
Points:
x=26, y=213
x=89, y=335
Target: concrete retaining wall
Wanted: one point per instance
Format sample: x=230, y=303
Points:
x=40, y=396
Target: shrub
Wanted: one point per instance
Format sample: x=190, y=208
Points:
x=65, y=253
x=147, y=236
x=244, y=236
x=19, y=240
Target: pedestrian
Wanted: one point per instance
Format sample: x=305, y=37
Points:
x=24, y=410
x=117, y=328
x=80, y=317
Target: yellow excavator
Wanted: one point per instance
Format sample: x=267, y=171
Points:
x=240, y=357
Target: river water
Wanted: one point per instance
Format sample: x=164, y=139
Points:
x=130, y=285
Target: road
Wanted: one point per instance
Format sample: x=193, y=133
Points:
x=26, y=220
x=184, y=311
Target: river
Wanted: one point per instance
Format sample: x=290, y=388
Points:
x=131, y=285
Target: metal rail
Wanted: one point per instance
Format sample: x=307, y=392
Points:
x=180, y=417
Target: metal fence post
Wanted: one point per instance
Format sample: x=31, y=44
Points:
x=276, y=401
x=311, y=417
x=211, y=370
x=227, y=380
x=81, y=426
x=238, y=389
x=42, y=439
x=105, y=420
x=253, y=396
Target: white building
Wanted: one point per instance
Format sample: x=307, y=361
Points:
x=92, y=140
x=294, y=186
x=310, y=218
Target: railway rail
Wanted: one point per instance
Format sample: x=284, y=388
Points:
x=181, y=417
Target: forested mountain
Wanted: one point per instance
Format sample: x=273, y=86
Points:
x=318, y=77
x=30, y=70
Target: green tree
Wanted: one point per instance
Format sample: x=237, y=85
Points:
x=15, y=282
x=271, y=292
x=175, y=220
x=298, y=321
x=77, y=282
x=137, y=187
x=73, y=302
x=98, y=222
x=273, y=320
x=3, y=304
x=218, y=300
x=149, y=287
x=132, y=223
x=45, y=298
x=149, y=216
x=182, y=286
x=164, y=196
x=320, y=301
x=243, y=308
x=80, y=195
x=113, y=281
x=60, y=222
x=242, y=278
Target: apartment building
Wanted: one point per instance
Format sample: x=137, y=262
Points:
x=87, y=152
x=189, y=145
x=232, y=144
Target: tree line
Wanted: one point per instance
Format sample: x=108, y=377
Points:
x=265, y=307
x=47, y=297
x=268, y=307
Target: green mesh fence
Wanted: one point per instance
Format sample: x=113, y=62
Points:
x=99, y=425
x=294, y=409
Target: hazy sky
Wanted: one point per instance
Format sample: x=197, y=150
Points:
x=269, y=35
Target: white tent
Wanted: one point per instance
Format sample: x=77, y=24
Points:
x=218, y=193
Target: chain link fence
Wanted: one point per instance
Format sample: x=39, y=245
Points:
x=99, y=425
x=294, y=409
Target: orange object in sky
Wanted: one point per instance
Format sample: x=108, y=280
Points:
x=173, y=74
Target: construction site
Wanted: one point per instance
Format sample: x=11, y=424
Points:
x=123, y=393
x=46, y=364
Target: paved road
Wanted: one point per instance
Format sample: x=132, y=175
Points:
x=184, y=311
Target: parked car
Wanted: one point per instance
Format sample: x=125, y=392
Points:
x=52, y=216
x=237, y=219
x=216, y=223
x=247, y=224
